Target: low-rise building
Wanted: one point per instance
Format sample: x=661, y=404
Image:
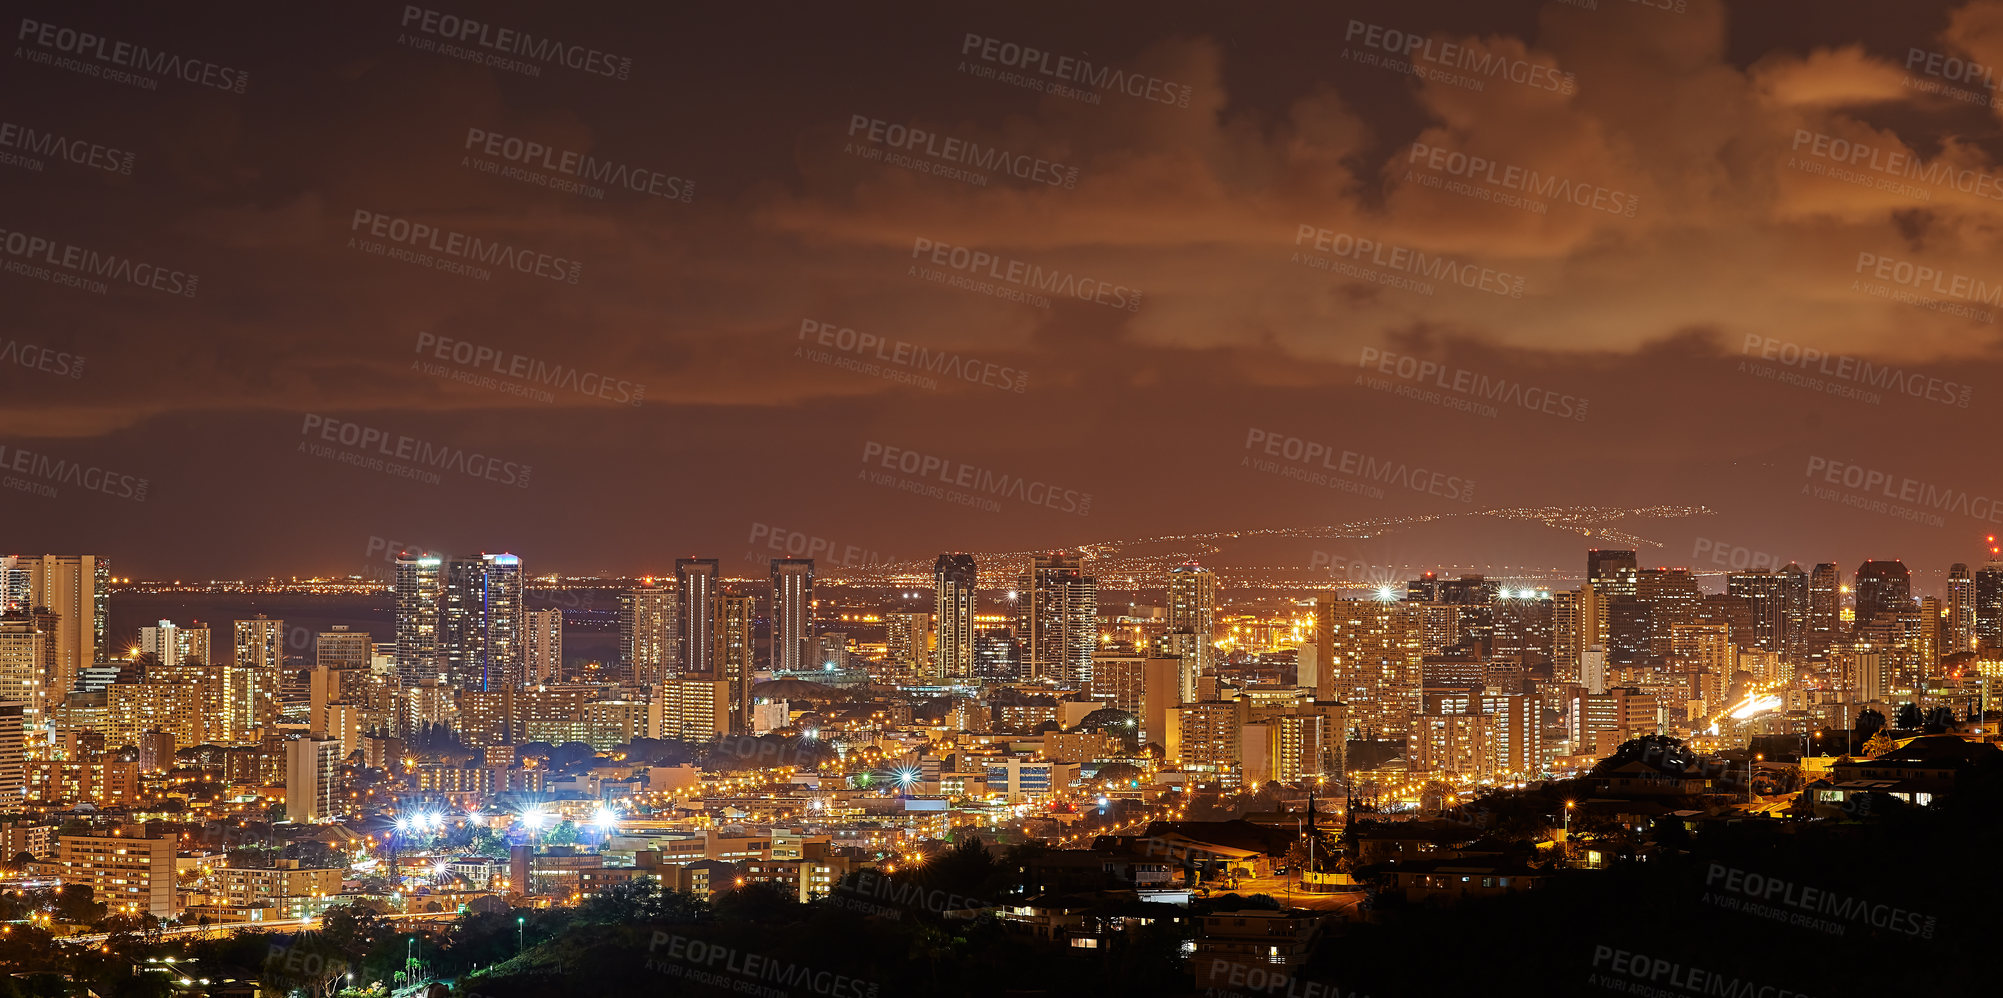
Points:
x=130, y=874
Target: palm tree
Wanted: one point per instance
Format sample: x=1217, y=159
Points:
x=1879, y=744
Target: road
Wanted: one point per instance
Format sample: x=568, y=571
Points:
x=272, y=926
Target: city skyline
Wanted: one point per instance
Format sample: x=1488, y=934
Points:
x=1176, y=499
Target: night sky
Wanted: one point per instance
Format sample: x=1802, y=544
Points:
x=1746, y=181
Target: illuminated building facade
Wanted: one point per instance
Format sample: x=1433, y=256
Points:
x=953, y=605
x=482, y=622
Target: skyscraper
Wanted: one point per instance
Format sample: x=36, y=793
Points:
x=1192, y=609
x=1523, y=627
x=953, y=605
x=418, y=581
x=13, y=757
x=1371, y=654
x=257, y=670
x=792, y=613
x=734, y=615
x=73, y=587
x=1825, y=608
x=1565, y=633
x=543, y=659
x=172, y=645
x=482, y=622
x=1182, y=646
x=1424, y=589
x=1779, y=606
x=648, y=641
x=1989, y=605
x=312, y=779
x=906, y=638
x=1882, y=587
x=1060, y=618
x=997, y=655
x=15, y=587
x=259, y=644
x=1960, y=625
x=25, y=653
x=1672, y=597
x=695, y=605
x=1601, y=565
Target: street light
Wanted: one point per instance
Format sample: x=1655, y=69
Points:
x=520, y=928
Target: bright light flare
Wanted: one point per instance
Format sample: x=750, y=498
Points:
x=1755, y=704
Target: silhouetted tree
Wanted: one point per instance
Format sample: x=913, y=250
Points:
x=1869, y=722
x=1656, y=750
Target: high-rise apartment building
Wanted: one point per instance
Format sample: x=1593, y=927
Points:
x=1059, y=619
x=1372, y=657
x=1518, y=749
x=1119, y=680
x=27, y=654
x=312, y=780
x=735, y=616
x=76, y=589
x=648, y=640
x=249, y=699
x=1925, y=632
x=696, y=588
x=1869, y=674
x=694, y=708
x=131, y=709
x=792, y=630
x=260, y=649
x=1205, y=738
x=1192, y=609
x=131, y=875
x=482, y=622
x=953, y=606
x=543, y=646
x=419, y=585
x=907, y=639
x=13, y=754
x=1958, y=630
x=1703, y=646
x=1456, y=746
x=170, y=644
